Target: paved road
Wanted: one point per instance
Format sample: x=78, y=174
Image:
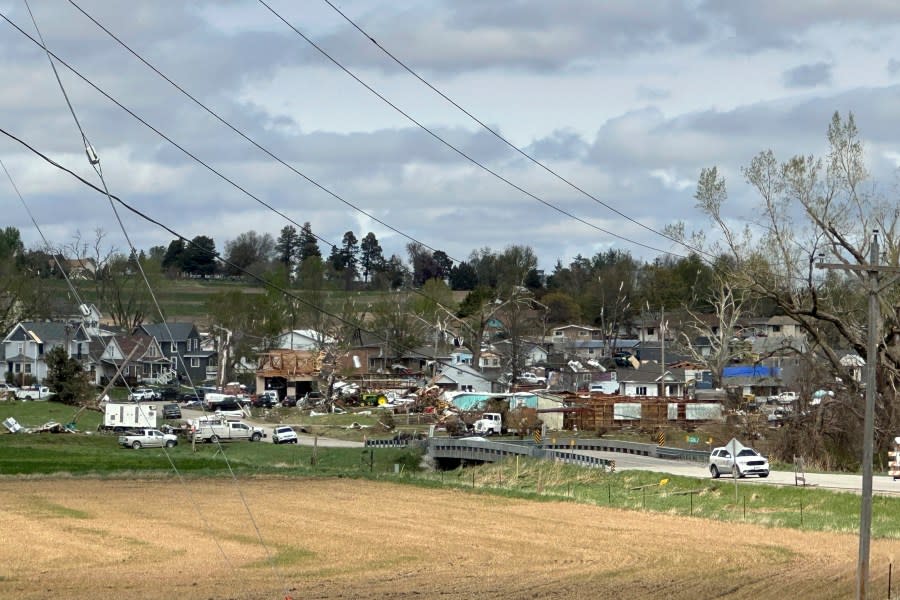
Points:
x=880, y=484
x=302, y=439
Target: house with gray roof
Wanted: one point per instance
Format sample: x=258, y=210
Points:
x=180, y=344
x=26, y=346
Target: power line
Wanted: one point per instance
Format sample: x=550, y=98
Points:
x=217, y=256
x=241, y=133
x=506, y=141
x=41, y=233
x=221, y=119
x=94, y=161
x=461, y=153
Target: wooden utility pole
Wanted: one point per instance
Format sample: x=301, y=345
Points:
x=873, y=287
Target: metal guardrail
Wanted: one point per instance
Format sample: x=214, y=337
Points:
x=573, y=458
x=488, y=450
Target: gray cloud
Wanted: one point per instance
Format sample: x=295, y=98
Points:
x=808, y=76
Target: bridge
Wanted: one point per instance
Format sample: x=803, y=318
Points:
x=451, y=452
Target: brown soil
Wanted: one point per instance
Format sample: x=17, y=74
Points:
x=342, y=538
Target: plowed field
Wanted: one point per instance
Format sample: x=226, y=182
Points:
x=73, y=539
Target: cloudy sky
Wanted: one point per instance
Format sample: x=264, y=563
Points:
x=628, y=100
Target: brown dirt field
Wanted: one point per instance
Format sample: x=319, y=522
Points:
x=67, y=538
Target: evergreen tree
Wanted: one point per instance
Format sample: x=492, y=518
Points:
x=287, y=248
x=199, y=258
x=171, y=261
x=349, y=257
x=463, y=277
x=66, y=377
x=309, y=245
x=371, y=258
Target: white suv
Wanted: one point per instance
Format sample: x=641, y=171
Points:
x=284, y=435
x=749, y=462
x=141, y=394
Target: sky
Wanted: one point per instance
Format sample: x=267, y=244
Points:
x=626, y=100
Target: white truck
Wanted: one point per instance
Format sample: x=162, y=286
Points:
x=147, y=438
x=37, y=392
x=218, y=430
x=488, y=424
x=119, y=417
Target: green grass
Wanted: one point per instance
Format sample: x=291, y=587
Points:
x=98, y=455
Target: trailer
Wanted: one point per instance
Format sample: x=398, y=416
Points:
x=120, y=417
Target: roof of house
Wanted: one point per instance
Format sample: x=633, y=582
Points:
x=47, y=332
x=161, y=331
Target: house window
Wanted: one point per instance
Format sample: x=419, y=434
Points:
x=590, y=350
x=173, y=347
x=195, y=362
x=776, y=328
x=146, y=369
x=21, y=348
x=582, y=334
x=651, y=330
x=17, y=368
x=28, y=367
x=641, y=390
x=559, y=333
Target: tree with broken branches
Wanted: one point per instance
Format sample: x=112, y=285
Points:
x=813, y=208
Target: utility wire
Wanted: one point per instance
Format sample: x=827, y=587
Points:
x=46, y=243
x=285, y=292
x=500, y=137
x=94, y=161
x=461, y=153
x=246, y=136
x=191, y=155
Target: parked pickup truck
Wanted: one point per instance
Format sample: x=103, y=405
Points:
x=34, y=393
x=149, y=438
x=214, y=431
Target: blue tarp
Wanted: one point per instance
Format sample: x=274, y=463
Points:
x=751, y=371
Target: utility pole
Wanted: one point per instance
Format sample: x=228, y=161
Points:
x=662, y=351
x=873, y=270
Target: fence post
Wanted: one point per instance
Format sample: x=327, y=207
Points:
x=691, y=494
x=890, y=574
x=745, y=507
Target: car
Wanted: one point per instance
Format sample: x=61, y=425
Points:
x=284, y=435
x=168, y=393
x=191, y=397
x=141, y=394
x=171, y=411
x=7, y=390
x=749, y=462
x=266, y=399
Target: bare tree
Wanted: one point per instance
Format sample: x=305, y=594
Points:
x=720, y=331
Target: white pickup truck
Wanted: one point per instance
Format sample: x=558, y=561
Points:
x=215, y=431
x=149, y=438
x=39, y=392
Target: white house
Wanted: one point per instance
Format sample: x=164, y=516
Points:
x=27, y=344
x=462, y=378
x=300, y=339
x=645, y=382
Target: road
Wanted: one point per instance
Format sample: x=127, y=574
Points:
x=302, y=438
x=880, y=484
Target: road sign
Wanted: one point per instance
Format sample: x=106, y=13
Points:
x=693, y=439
